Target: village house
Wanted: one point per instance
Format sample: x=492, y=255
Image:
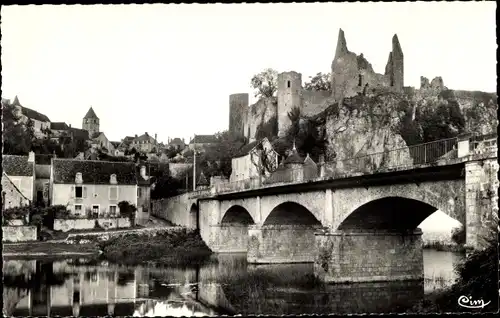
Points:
x=58, y=129
x=21, y=172
x=41, y=123
x=11, y=195
x=294, y=168
x=176, y=144
x=200, y=142
x=144, y=143
x=92, y=188
x=42, y=181
x=250, y=159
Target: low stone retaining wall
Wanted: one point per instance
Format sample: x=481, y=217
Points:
x=19, y=233
x=66, y=225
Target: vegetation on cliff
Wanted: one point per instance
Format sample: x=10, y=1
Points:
x=174, y=247
x=265, y=83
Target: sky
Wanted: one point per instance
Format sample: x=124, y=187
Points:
x=169, y=69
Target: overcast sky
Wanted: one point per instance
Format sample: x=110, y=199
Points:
x=169, y=69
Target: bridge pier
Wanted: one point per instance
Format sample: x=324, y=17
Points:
x=280, y=243
x=229, y=238
x=368, y=256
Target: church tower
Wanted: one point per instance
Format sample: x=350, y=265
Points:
x=91, y=122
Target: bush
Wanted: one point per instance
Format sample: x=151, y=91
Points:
x=16, y=213
x=458, y=235
x=169, y=247
x=127, y=210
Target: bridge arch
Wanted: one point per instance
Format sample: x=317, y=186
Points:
x=291, y=213
x=388, y=213
x=237, y=214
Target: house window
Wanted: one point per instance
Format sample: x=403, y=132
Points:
x=78, y=192
x=139, y=192
x=95, y=209
x=113, y=193
x=288, y=84
x=78, y=209
x=112, y=209
x=360, y=80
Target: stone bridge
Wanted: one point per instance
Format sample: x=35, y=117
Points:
x=358, y=228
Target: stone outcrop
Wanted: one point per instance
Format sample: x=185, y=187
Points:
x=365, y=125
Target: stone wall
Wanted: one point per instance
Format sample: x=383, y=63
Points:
x=19, y=233
x=259, y=113
x=368, y=256
x=281, y=243
x=175, y=209
x=66, y=225
x=481, y=199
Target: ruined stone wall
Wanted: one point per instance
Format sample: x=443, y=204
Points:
x=365, y=257
x=314, y=102
x=289, y=97
x=259, y=113
x=238, y=107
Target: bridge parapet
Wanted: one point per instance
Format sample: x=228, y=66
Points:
x=436, y=153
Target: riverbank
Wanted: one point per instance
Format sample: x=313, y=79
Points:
x=438, y=246
x=48, y=249
x=177, y=247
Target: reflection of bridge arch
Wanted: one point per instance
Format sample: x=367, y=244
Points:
x=194, y=216
x=237, y=214
x=291, y=213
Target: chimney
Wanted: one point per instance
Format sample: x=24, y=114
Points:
x=69, y=125
x=156, y=136
x=143, y=173
x=135, y=135
x=31, y=156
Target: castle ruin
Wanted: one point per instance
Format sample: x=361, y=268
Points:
x=351, y=74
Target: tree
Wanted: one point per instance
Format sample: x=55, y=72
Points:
x=268, y=130
x=265, y=83
x=216, y=159
x=319, y=82
x=165, y=185
x=16, y=140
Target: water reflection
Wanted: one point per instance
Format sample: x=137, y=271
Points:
x=228, y=285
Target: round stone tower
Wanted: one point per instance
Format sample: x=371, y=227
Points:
x=238, y=107
x=289, y=96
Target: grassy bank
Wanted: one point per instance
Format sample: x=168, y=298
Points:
x=438, y=246
x=176, y=247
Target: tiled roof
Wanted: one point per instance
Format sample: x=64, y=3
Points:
x=245, y=150
x=79, y=133
x=91, y=114
x=294, y=157
x=93, y=172
x=203, y=139
x=59, y=126
x=144, y=137
x=95, y=135
x=202, y=180
x=42, y=171
x=176, y=142
x=115, y=143
x=128, y=139
x=17, y=165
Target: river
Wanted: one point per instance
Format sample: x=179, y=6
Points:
x=225, y=285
